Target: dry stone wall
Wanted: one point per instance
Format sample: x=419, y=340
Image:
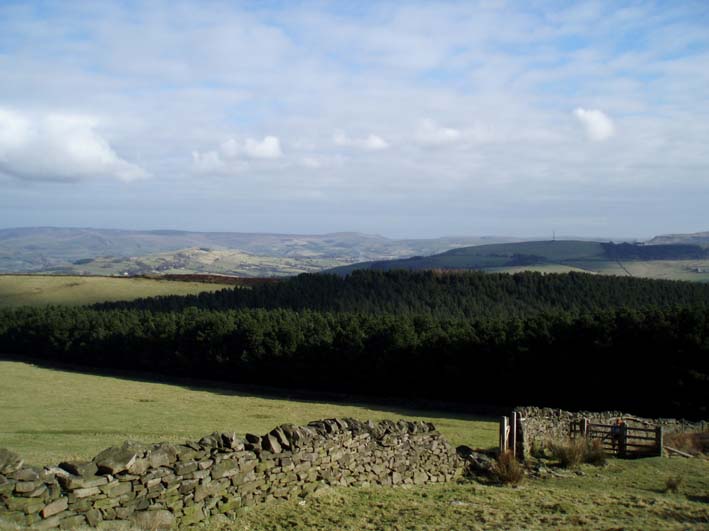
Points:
x=536, y=426
x=166, y=485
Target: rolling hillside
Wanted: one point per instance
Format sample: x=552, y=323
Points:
x=685, y=262
x=57, y=250
x=696, y=238
x=200, y=260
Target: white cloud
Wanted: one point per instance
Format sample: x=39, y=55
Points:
x=430, y=133
x=370, y=143
x=268, y=148
x=598, y=125
x=208, y=162
x=233, y=155
x=58, y=147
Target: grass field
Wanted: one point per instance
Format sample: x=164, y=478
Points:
x=47, y=415
x=40, y=290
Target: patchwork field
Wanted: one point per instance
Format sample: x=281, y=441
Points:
x=40, y=290
x=196, y=260
x=548, y=257
x=47, y=415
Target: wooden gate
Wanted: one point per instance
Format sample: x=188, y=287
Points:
x=625, y=441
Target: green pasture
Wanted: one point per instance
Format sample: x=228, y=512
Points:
x=40, y=290
x=48, y=415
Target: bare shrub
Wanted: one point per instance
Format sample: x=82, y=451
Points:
x=570, y=453
x=673, y=483
x=507, y=469
x=686, y=442
x=595, y=453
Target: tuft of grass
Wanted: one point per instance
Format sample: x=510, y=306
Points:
x=673, y=483
x=507, y=470
x=595, y=454
x=574, y=452
x=570, y=453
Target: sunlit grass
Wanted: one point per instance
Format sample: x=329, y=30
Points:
x=40, y=290
x=48, y=415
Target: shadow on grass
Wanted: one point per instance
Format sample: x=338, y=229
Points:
x=698, y=499
x=398, y=405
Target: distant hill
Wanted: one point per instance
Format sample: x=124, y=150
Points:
x=198, y=260
x=51, y=249
x=697, y=238
x=86, y=251
x=688, y=262
x=491, y=256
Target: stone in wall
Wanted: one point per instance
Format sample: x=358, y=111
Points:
x=163, y=485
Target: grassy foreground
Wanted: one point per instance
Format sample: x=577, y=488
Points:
x=40, y=290
x=48, y=415
x=625, y=495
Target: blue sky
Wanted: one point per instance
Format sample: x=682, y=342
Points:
x=408, y=119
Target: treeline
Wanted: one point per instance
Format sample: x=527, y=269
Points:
x=649, y=360
x=464, y=295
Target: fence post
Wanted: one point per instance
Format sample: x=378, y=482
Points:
x=660, y=441
x=584, y=427
x=504, y=430
x=623, y=442
x=513, y=428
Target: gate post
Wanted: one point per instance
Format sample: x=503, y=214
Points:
x=660, y=441
x=623, y=442
x=504, y=431
x=584, y=427
x=513, y=428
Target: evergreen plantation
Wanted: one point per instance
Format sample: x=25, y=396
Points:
x=464, y=295
x=566, y=340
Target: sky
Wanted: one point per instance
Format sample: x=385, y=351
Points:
x=406, y=119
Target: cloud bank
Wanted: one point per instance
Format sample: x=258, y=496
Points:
x=463, y=117
x=58, y=147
